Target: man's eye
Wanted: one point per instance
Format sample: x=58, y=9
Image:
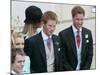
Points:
x=22, y=43
x=17, y=43
x=20, y=61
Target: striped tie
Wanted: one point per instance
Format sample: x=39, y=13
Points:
x=49, y=43
x=78, y=39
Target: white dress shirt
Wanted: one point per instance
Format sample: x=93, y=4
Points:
x=49, y=53
x=80, y=47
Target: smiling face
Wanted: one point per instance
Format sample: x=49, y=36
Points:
x=78, y=21
x=19, y=42
x=49, y=27
x=78, y=14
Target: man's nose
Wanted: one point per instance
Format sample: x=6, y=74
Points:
x=52, y=28
x=21, y=46
x=22, y=63
x=80, y=22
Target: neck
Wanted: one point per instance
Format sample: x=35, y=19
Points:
x=46, y=33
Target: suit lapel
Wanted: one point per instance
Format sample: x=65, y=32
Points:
x=41, y=46
x=55, y=46
x=72, y=40
x=83, y=41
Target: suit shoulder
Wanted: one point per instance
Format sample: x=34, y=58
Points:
x=32, y=38
x=86, y=30
x=65, y=30
x=55, y=36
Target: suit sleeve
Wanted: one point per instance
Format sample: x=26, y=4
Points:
x=28, y=47
x=65, y=65
x=89, y=54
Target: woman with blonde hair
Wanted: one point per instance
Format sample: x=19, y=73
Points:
x=33, y=16
x=18, y=42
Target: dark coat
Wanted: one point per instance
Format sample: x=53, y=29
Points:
x=34, y=48
x=69, y=52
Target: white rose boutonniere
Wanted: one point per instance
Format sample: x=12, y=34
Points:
x=57, y=43
x=87, y=41
x=86, y=36
x=58, y=49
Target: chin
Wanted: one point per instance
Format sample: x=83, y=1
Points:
x=79, y=27
x=49, y=34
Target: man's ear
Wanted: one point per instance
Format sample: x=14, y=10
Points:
x=40, y=24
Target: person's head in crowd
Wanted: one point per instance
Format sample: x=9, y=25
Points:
x=78, y=14
x=19, y=41
x=13, y=36
x=32, y=20
x=49, y=20
x=17, y=60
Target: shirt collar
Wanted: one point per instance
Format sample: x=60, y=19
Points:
x=75, y=30
x=44, y=36
x=13, y=72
